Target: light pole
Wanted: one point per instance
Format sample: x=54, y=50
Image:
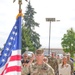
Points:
x=50, y=20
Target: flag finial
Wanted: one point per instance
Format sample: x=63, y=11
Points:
x=20, y=3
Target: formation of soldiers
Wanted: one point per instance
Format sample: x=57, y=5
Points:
x=38, y=64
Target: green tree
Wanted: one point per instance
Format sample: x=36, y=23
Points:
x=68, y=42
x=26, y=42
x=30, y=38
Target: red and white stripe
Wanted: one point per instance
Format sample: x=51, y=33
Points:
x=13, y=65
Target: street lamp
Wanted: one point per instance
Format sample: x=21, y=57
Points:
x=50, y=20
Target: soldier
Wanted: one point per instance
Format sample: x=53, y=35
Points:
x=45, y=59
x=25, y=59
x=53, y=62
x=40, y=67
x=58, y=59
x=25, y=64
x=70, y=62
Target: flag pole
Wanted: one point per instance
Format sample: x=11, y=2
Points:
x=20, y=30
x=20, y=3
x=19, y=15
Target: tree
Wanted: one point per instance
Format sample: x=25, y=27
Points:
x=26, y=42
x=30, y=38
x=68, y=42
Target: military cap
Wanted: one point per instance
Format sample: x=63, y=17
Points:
x=39, y=51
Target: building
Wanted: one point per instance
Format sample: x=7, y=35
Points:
x=56, y=50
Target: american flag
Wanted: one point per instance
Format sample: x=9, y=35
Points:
x=10, y=58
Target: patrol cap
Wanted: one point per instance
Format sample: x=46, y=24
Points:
x=39, y=51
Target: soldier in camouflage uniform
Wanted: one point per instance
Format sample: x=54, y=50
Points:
x=52, y=61
x=25, y=64
x=59, y=60
x=24, y=70
x=40, y=67
x=70, y=62
x=45, y=59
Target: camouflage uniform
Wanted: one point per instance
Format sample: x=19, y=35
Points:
x=72, y=67
x=43, y=69
x=70, y=62
x=53, y=63
x=40, y=69
x=59, y=61
x=24, y=70
x=36, y=69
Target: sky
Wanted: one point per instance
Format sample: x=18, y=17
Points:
x=63, y=10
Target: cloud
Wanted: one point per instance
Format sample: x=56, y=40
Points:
x=64, y=10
